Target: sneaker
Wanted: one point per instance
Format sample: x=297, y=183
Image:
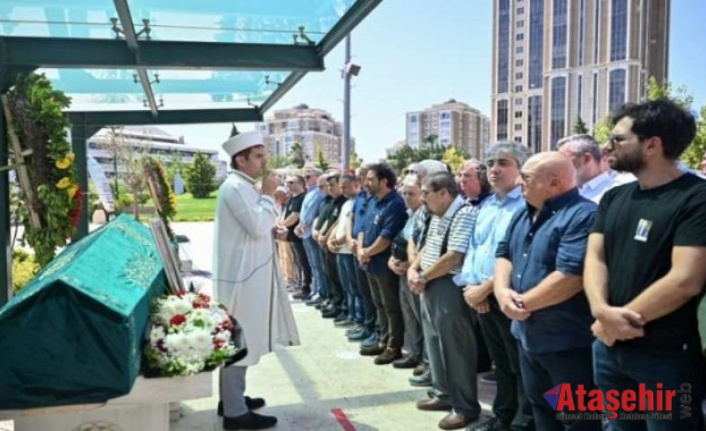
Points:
x=340, y=317
x=343, y=323
x=359, y=336
x=372, y=340
x=249, y=421
x=421, y=381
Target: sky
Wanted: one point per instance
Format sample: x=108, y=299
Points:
x=415, y=53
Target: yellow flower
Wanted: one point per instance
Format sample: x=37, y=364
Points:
x=66, y=161
x=72, y=191
x=63, y=183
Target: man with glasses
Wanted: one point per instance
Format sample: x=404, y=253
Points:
x=645, y=271
x=592, y=179
x=448, y=322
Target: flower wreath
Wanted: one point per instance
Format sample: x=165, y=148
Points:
x=191, y=333
x=162, y=193
x=41, y=126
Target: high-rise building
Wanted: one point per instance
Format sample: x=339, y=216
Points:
x=557, y=60
x=449, y=123
x=314, y=129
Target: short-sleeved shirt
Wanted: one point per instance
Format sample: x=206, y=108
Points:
x=360, y=209
x=457, y=222
x=640, y=229
x=386, y=218
x=293, y=205
x=310, y=207
x=555, y=241
x=491, y=224
x=324, y=213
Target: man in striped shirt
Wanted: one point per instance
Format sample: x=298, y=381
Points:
x=448, y=322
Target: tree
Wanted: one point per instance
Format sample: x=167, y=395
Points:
x=275, y=162
x=130, y=155
x=297, y=158
x=602, y=130
x=401, y=159
x=695, y=152
x=453, y=158
x=200, y=177
x=355, y=161
x=430, y=140
x=321, y=161
x=579, y=126
x=680, y=96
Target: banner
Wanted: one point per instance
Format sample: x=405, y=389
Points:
x=97, y=175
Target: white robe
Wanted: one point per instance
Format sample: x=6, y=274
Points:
x=246, y=275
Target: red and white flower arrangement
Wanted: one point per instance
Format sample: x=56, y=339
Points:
x=190, y=333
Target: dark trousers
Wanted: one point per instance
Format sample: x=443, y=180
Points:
x=544, y=371
x=301, y=262
x=680, y=368
x=451, y=344
x=511, y=406
x=335, y=293
x=325, y=291
x=412, y=315
x=369, y=310
x=385, y=290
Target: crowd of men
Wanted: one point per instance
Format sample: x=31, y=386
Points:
x=581, y=266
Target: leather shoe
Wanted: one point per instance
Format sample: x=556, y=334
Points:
x=372, y=350
x=250, y=403
x=493, y=424
x=406, y=361
x=388, y=356
x=249, y=421
x=330, y=314
x=454, y=421
x=433, y=405
x=420, y=369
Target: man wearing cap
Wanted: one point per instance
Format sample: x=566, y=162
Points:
x=246, y=275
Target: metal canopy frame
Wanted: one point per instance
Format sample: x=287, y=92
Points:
x=19, y=55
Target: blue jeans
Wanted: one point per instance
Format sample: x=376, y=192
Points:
x=680, y=368
x=354, y=302
x=541, y=372
x=312, y=253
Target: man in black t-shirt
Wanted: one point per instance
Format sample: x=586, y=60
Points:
x=645, y=271
x=292, y=210
x=326, y=220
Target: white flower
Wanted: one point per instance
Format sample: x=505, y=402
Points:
x=175, y=343
x=156, y=334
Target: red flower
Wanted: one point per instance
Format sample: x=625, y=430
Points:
x=218, y=343
x=75, y=213
x=177, y=320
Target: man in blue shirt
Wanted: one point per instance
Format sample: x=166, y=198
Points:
x=366, y=332
x=510, y=407
x=387, y=219
x=538, y=283
x=308, y=213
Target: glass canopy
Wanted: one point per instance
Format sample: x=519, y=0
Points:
x=163, y=55
x=244, y=21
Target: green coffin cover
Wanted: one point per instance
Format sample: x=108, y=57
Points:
x=74, y=334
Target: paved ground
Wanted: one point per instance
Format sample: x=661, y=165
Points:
x=305, y=385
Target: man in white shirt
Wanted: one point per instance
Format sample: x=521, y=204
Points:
x=592, y=179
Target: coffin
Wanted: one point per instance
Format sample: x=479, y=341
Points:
x=74, y=334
